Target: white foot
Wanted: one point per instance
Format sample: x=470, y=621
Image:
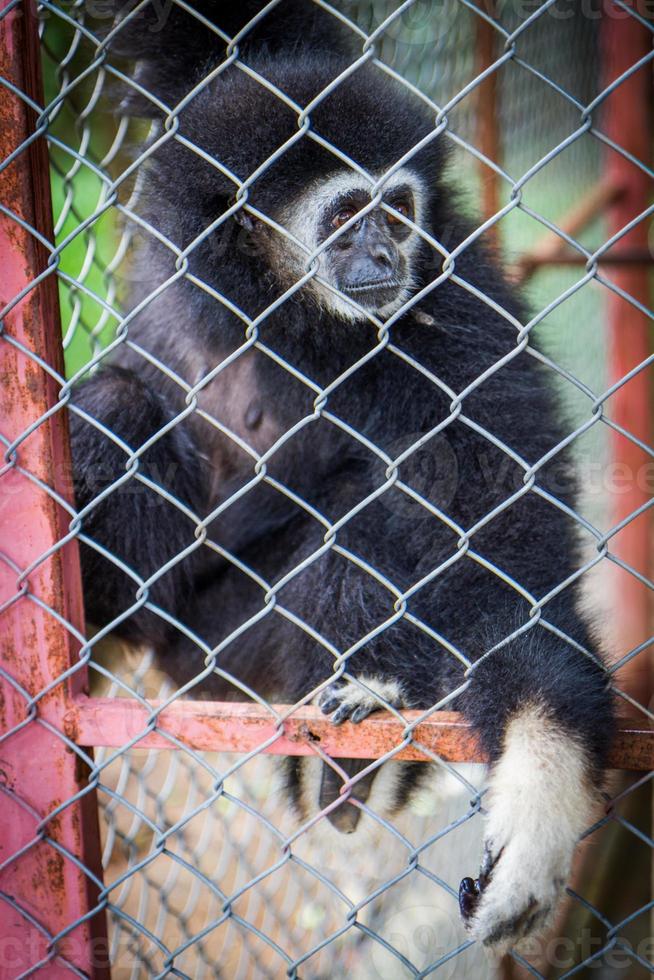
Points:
x=539, y=802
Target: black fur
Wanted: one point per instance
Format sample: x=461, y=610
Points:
x=138, y=524
x=460, y=471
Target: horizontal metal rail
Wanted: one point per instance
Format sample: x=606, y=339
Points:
x=215, y=726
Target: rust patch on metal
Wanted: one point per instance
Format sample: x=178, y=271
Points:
x=70, y=726
x=305, y=734
x=55, y=872
x=7, y=776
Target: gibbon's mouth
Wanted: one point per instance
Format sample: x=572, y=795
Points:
x=377, y=293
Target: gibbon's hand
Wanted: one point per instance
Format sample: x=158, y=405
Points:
x=540, y=800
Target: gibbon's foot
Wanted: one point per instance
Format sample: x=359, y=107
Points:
x=347, y=701
x=540, y=800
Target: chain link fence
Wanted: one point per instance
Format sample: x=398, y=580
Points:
x=206, y=871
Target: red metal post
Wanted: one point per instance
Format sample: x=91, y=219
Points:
x=627, y=120
x=487, y=115
x=44, y=884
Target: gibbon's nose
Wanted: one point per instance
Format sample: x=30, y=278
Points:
x=346, y=816
x=371, y=258
x=383, y=257
x=380, y=255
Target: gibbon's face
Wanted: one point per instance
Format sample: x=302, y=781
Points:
x=370, y=263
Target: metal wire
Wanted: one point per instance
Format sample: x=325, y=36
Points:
x=205, y=871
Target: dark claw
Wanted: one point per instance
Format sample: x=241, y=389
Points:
x=469, y=893
x=488, y=866
x=330, y=704
x=341, y=715
x=360, y=713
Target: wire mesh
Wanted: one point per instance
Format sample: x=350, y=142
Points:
x=205, y=870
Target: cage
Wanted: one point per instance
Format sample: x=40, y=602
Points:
x=147, y=833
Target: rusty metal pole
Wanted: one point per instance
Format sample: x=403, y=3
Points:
x=47, y=859
x=627, y=120
x=487, y=116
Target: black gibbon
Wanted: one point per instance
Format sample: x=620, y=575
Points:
x=347, y=474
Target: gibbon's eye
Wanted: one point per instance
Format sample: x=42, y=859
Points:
x=403, y=207
x=344, y=215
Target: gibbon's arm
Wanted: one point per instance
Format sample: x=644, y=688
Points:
x=135, y=523
x=543, y=712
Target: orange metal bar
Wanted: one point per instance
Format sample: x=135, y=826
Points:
x=211, y=726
